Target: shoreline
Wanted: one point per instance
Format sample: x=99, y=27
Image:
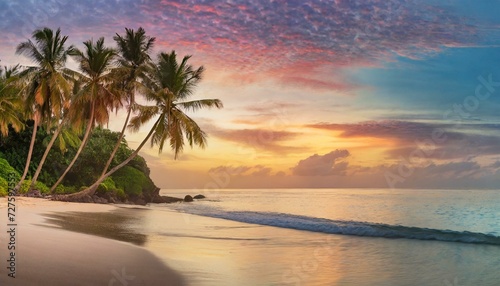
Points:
x=106, y=198
x=48, y=253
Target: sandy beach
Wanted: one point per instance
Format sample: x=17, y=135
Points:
x=48, y=254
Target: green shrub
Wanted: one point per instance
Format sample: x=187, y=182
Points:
x=42, y=188
x=131, y=180
x=61, y=189
x=4, y=187
x=25, y=185
x=102, y=189
x=108, y=185
x=120, y=193
x=6, y=169
x=69, y=189
x=38, y=186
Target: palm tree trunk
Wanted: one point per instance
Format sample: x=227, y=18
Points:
x=30, y=154
x=82, y=145
x=118, y=143
x=92, y=189
x=44, y=157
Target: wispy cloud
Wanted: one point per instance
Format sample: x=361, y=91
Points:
x=231, y=170
x=262, y=139
x=403, y=131
x=270, y=108
x=243, y=170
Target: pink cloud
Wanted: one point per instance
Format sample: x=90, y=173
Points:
x=256, y=40
x=262, y=39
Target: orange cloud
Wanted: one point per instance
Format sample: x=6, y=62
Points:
x=262, y=139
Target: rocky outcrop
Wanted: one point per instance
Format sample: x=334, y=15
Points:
x=99, y=200
x=138, y=201
x=166, y=200
x=143, y=199
x=151, y=196
x=34, y=194
x=82, y=199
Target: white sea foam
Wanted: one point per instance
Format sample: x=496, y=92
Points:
x=343, y=227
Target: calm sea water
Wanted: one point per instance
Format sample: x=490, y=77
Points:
x=330, y=237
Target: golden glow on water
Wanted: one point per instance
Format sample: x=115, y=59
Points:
x=223, y=252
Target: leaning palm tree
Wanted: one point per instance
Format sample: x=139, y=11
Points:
x=10, y=103
x=134, y=48
x=47, y=93
x=92, y=103
x=168, y=84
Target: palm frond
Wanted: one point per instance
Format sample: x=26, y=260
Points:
x=199, y=104
x=145, y=114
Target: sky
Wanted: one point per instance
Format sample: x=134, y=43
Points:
x=316, y=93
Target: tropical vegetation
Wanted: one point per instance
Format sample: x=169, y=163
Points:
x=52, y=118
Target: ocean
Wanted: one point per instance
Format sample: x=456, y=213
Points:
x=329, y=237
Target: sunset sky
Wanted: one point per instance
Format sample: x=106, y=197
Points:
x=359, y=93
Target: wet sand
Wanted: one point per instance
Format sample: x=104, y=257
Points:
x=59, y=243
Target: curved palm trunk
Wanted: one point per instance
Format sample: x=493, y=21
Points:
x=79, y=151
x=44, y=157
x=118, y=143
x=92, y=189
x=30, y=154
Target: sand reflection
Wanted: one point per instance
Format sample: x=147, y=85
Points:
x=115, y=224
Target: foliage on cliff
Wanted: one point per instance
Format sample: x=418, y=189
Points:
x=132, y=180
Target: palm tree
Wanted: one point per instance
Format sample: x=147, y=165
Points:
x=47, y=93
x=10, y=103
x=168, y=84
x=134, y=48
x=92, y=103
x=28, y=112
